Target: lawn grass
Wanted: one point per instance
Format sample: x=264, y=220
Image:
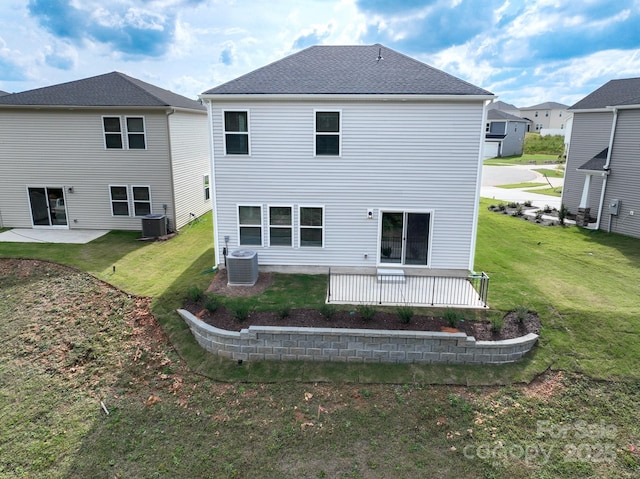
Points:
x=525, y=159
x=62, y=355
x=557, y=191
x=556, y=173
x=514, y=186
x=92, y=389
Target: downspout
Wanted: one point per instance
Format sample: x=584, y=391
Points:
x=173, y=189
x=476, y=210
x=213, y=185
x=606, y=169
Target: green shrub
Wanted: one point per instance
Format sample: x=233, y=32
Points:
x=562, y=213
x=211, y=304
x=284, y=311
x=527, y=203
x=327, y=310
x=512, y=204
x=452, y=317
x=405, y=313
x=195, y=294
x=496, y=324
x=240, y=312
x=522, y=312
x=366, y=311
x=502, y=207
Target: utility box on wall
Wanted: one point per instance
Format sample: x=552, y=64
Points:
x=614, y=207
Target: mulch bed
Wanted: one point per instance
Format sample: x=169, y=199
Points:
x=223, y=318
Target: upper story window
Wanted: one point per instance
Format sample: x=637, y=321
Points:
x=250, y=225
x=116, y=130
x=536, y=115
x=236, y=132
x=280, y=226
x=327, y=133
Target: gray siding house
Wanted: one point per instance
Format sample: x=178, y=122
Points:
x=100, y=153
x=504, y=134
x=350, y=156
x=602, y=181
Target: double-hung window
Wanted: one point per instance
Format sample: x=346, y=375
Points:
x=311, y=226
x=327, y=134
x=250, y=225
x=130, y=200
x=280, y=226
x=236, y=132
x=119, y=200
x=116, y=129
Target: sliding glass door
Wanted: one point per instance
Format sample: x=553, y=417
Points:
x=405, y=238
x=47, y=206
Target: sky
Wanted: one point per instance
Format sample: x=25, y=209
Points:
x=524, y=51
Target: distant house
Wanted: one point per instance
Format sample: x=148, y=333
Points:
x=100, y=153
x=602, y=182
x=505, y=107
x=504, y=134
x=549, y=116
x=351, y=156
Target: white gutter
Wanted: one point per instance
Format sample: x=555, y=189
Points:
x=606, y=167
x=213, y=185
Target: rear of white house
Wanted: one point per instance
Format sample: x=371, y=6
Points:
x=348, y=156
x=101, y=153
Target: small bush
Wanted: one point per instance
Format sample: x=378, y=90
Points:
x=527, y=203
x=521, y=313
x=512, y=204
x=547, y=209
x=562, y=213
x=240, y=312
x=211, y=304
x=452, y=317
x=366, y=311
x=284, y=311
x=405, y=313
x=539, y=215
x=327, y=310
x=496, y=324
x=502, y=207
x=518, y=211
x=195, y=294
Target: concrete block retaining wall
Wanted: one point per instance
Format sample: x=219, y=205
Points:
x=258, y=343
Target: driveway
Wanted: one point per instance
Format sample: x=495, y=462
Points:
x=492, y=176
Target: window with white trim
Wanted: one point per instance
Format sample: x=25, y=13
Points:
x=117, y=128
x=207, y=188
x=130, y=200
x=141, y=200
x=327, y=133
x=250, y=225
x=236, y=132
x=119, y=200
x=311, y=226
x=280, y=226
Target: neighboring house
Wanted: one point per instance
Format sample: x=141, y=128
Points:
x=602, y=178
x=547, y=116
x=352, y=156
x=505, y=107
x=100, y=153
x=504, y=134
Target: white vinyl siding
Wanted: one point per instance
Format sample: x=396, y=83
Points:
x=395, y=155
x=67, y=148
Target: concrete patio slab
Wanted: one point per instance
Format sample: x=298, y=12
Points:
x=20, y=235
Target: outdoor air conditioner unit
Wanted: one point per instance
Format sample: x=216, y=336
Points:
x=242, y=268
x=154, y=226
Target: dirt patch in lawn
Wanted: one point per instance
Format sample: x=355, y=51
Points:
x=513, y=324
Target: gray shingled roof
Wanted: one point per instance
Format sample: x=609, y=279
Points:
x=597, y=162
x=613, y=93
x=494, y=114
x=110, y=89
x=347, y=70
x=500, y=105
x=3, y=93
x=548, y=105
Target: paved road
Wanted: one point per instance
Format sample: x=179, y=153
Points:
x=505, y=175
